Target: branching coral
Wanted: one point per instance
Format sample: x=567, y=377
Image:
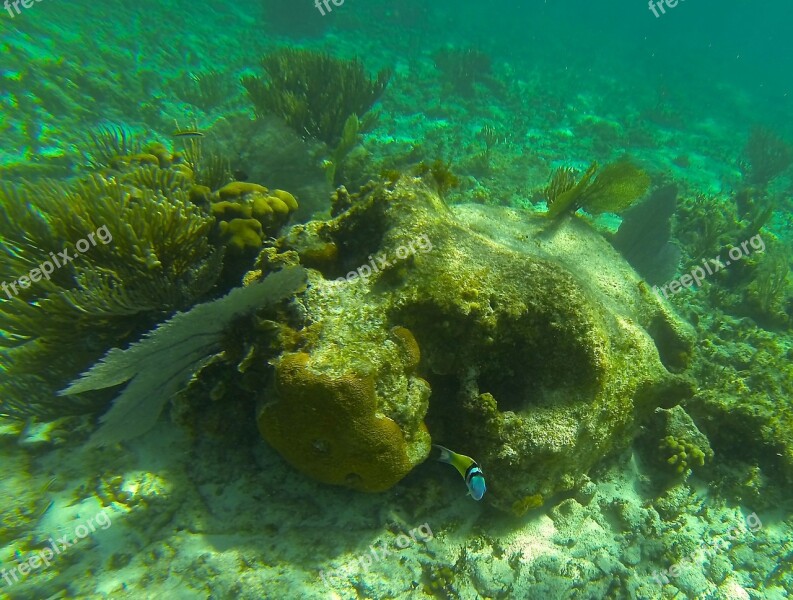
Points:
x=154, y=257
x=684, y=446
x=682, y=455
x=613, y=189
x=314, y=93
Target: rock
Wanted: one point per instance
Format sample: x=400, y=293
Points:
x=542, y=346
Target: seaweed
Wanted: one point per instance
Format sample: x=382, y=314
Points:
x=107, y=143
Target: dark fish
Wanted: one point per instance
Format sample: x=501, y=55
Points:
x=188, y=133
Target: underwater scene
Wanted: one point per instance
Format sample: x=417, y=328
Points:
x=345, y=299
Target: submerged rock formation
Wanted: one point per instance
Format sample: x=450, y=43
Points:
x=540, y=347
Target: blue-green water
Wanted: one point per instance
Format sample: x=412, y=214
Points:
x=555, y=237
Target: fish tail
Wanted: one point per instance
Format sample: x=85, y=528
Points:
x=446, y=454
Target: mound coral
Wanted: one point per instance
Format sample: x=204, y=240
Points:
x=328, y=426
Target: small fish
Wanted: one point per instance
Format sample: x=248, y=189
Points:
x=187, y=133
x=474, y=478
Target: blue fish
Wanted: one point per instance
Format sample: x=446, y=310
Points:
x=471, y=472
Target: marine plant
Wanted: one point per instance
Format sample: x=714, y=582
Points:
x=209, y=169
x=204, y=89
x=155, y=257
x=159, y=365
x=612, y=189
x=349, y=137
x=771, y=286
x=439, y=173
x=107, y=143
x=766, y=156
x=462, y=67
x=313, y=92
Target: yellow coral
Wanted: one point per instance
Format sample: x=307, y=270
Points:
x=684, y=454
x=236, y=189
x=241, y=235
x=330, y=429
x=286, y=198
x=249, y=203
x=408, y=345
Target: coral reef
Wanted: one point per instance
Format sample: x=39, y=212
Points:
x=683, y=445
x=500, y=323
x=682, y=455
x=314, y=93
x=159, y=365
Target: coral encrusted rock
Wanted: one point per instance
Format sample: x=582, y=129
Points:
x=542, y=347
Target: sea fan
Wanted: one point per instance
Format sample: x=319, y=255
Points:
x=162, y=362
